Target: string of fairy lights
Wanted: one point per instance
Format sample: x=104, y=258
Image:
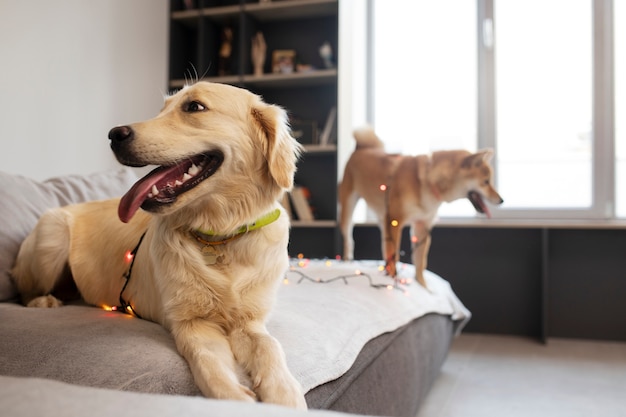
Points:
x=298, y=273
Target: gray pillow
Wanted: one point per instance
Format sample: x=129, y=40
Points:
x=23, y=201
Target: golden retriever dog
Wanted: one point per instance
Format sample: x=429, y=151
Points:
x=205, y=255
x=408, y=190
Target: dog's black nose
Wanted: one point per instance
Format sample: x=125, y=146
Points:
x=121, y=133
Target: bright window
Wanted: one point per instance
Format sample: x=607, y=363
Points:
x=620, y=105
x=543, y=67
x=425, y=94
x=531, y=78
x=425, y=70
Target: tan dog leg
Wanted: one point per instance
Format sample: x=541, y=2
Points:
x=347, y=225
x=420, y=244
x=391, y=235
x=264, y=359
x=208, y=352
x=347, y=199
x=42, y=261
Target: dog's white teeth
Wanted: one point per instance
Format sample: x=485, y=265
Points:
x=186, y=177
x=177, y=183
x=154, y=191
x=193, y=170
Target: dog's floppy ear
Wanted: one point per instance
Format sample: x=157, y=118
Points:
x=477, y=158
x=280, y=148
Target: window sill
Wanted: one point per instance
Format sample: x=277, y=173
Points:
x=477, y=222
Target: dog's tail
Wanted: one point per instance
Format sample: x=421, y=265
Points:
x=366, y=138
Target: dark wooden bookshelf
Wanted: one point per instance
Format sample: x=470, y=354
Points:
x=309, y=96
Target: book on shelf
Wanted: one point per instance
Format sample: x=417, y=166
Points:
x=329, y=133
x=300, y=199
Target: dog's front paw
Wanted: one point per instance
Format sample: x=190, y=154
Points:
x=235, y=392
x=419, y=277
x=45, y=301
x=282, y=391
x=390, y=269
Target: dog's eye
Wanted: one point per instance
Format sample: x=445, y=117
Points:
x=487, y=182
x=194, y=106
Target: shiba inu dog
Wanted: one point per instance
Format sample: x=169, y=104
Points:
x=408, y=190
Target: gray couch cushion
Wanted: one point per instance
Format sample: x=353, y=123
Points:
x=21, y=397
x=23, y=201
x=405, y=361
x=89, y=346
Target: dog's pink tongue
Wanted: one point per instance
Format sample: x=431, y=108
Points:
x=132, y=200
x=484, y=206
x=487, y=212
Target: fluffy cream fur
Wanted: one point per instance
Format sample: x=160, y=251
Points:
x=215, y=311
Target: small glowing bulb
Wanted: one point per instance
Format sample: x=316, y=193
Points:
x=128, y=256
x=390, y=287
x=286, y=281
x=107, y=308
x=394, y=223
x=383, y=187
x=328, y=263
x=338, y=257
x=129, y=308
x=300, y=256
x=414, y=239
x=357, y=272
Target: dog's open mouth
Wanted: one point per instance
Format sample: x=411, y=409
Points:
x=479, y=204
x=164, y=184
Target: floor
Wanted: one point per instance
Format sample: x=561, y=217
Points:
x=491, y=376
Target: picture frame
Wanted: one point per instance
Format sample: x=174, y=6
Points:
x=283, y=61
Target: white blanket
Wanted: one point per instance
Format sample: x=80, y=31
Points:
x=349, y=312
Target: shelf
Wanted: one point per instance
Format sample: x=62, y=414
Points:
x=220, y=13
x=231, y=79
x=296, y=79
x=320, y=149
x=265, y=12
x=214, y=13
x=291, y=9
x=186, y=14
x=322, y=224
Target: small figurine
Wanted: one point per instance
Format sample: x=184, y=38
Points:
x=226, y=51
x=326, y=52
x=259, y=49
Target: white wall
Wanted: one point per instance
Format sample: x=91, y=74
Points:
x=70, y=70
